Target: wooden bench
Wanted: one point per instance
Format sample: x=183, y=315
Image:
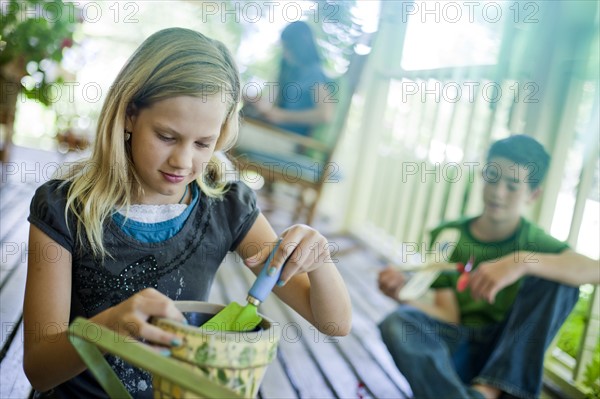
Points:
x=302, y=162
x=309, y=364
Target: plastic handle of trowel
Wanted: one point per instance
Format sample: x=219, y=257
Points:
x=264, y=283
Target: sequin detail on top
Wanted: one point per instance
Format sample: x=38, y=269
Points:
x=97, y=286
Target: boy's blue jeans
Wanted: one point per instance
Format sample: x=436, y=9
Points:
x=442, y=360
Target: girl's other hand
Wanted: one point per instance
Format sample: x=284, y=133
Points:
x=130, y=317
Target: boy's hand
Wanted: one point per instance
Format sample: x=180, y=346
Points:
x=490, y=277
x=391, y=282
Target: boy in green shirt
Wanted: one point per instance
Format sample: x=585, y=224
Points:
x=489, y=337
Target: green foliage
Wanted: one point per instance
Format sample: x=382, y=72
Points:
x=36, y=32
x=337, y=30
x=571, y=334
x=591, y=375
x=570, y=339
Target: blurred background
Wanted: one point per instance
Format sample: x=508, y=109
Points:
x=441, y=81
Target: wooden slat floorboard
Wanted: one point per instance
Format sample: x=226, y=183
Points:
x=14, y=252
x=14, y=383
x=11, y=304
x=305, y=339
x=15, y=208
x=359, y=271
x=13, y=267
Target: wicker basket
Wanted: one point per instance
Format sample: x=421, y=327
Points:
x=209, y=364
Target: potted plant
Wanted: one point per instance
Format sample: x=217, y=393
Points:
x=33, y=37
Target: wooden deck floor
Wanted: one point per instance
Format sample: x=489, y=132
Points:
x=308, y=365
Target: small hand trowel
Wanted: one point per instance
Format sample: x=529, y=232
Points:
x=235, y=317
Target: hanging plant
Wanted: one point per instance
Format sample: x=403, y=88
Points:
x=34, y=35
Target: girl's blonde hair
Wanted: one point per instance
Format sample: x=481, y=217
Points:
x=172, y=62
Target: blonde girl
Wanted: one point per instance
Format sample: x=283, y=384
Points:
x=148, y=219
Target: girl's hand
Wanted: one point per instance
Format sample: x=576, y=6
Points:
x=314, y=287
x=302, y=247
x=268, y=111
x=491, y=277
x=130, y=317
x=391, y=282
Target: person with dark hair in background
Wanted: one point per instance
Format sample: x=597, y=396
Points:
x=303, y=96
x=486, y=334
